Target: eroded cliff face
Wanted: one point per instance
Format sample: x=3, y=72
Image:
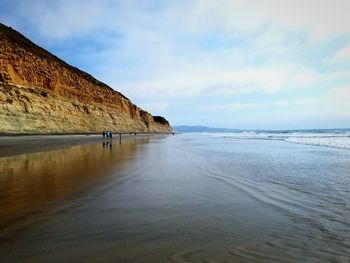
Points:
x=39, y=93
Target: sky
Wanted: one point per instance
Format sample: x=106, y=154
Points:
x=248, y=64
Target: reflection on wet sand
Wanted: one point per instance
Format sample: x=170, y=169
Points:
x=107, y=145
x=187, y=198
x=29, y=183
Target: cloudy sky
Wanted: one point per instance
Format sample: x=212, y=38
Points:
x=266, y=64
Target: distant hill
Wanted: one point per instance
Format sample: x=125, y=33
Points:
x=184, y=128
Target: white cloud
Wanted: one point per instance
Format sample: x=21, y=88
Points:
x=233, y=107
x=202, y=80
x=321, y=18
x=180, y=81
x=156, y=106
x=338, y=100
x=301, y=78
x=343, y=54
x=59, y=19
x=333, y=103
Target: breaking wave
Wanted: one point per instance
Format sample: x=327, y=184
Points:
x=328, y=138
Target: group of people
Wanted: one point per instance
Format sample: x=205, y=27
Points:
x=107, y=134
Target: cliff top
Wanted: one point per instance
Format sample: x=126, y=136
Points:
x=18, y=39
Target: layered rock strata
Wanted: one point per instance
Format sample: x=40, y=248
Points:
x=40, y=93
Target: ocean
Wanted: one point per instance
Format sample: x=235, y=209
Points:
x=336, y=138
x=262, y=196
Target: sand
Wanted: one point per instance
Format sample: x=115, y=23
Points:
x=21, y=144
x=13, y=145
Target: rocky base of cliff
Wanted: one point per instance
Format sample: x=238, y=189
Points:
x=38, y=111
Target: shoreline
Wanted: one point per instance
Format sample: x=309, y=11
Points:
x=16, y=144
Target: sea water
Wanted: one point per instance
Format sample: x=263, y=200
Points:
x=257, y=197
x=337, y=138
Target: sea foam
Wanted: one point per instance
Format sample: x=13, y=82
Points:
x=329, y=138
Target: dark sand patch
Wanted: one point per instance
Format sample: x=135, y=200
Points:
x=13, y=145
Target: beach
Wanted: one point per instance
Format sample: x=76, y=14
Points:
x=22, y=144
x=182, y=198
x=13, y=145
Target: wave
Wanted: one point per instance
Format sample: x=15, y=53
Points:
x=328, y=138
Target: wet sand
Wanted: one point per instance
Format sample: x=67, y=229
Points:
x=184, y=198
x=35, y=182
x=13, y=145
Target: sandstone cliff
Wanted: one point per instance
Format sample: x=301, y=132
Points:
x=39, y=93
